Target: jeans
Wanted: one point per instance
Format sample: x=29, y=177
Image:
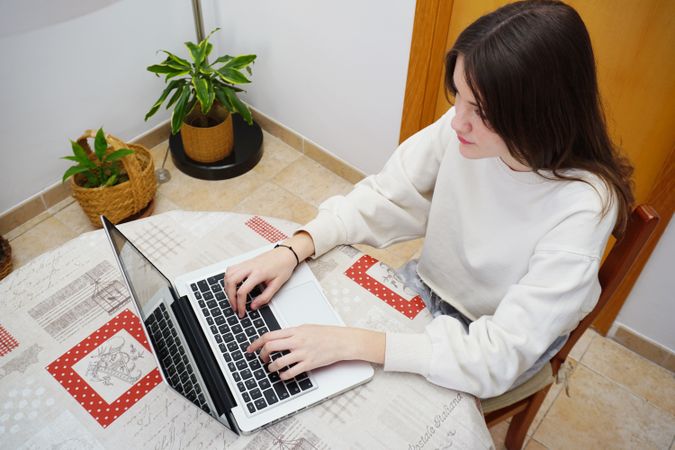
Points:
x=438, y=307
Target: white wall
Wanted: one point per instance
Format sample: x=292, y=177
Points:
x=333, y=71
x=69, y=65
x=650, y=308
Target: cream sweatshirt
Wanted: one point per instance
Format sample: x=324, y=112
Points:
x=516, y=252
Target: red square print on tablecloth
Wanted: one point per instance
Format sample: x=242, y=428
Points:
x=265, y=229
x=7, y=342
x=110, y=370
x=364, y=272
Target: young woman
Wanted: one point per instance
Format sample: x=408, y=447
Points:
x=516, y=190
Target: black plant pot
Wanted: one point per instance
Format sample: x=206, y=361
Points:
x=246, y=153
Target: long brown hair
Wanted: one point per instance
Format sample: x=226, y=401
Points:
x=531, y=68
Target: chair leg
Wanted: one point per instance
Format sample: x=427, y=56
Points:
x=520, y=423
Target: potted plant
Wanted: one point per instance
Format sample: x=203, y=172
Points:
x=115, y=179
x=203, y=97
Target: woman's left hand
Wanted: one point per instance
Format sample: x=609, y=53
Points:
x=313, y=346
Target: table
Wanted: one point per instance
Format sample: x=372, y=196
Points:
x=69, y=306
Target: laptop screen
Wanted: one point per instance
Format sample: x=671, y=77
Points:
x=145, y=281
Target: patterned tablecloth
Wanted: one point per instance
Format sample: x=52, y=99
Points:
x=68, y=310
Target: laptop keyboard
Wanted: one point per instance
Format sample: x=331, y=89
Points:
x=258, y=387
x=170, y=351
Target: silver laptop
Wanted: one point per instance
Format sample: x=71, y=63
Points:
x=199, y=342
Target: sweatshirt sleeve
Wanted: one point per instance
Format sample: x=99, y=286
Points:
x=391, y=206
x=560, y=288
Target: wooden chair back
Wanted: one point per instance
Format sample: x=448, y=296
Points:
x=641, y=225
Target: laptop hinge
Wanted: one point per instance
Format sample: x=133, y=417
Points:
x=205, y=360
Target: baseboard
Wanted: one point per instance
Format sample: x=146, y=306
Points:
x=308, y=148
x=643, y=346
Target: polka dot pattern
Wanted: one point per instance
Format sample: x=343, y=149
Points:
x=357, y=272
x=265, y=229
x=62, y=370
x=7, y=342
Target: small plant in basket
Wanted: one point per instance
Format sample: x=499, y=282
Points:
x=115, y=179
x=100, y=170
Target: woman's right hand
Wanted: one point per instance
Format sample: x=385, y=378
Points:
x=271, y=269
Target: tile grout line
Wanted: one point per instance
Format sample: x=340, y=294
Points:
x=271, y=180
x=51, y=213
x=540, y=443
x=627, y=389
x=623, y=387
x=47, y=217
x=555, y=382
x=555, y=398
x=278, y=186
x=313, y=160
x=294, y=195
x=288, y=164
x=595, y=335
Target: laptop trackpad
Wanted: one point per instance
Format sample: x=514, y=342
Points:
x=302, y=304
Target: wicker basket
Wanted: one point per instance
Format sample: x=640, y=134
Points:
x=5, y=258
x=208, y=144
x=122, y=200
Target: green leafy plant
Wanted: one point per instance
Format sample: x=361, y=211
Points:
x=103, y=169
x=199, y=81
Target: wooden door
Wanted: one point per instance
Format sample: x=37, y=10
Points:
x=634, y=45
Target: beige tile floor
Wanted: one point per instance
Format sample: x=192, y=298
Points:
x=617, y=399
